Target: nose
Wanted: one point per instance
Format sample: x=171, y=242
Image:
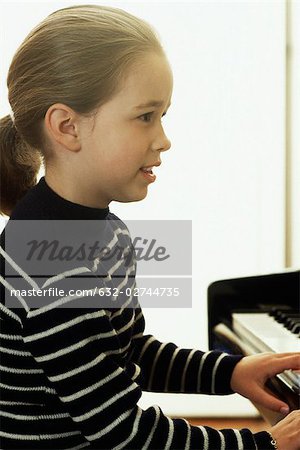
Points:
x=161, y=142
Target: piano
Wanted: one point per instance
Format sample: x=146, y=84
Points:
x=257, y=314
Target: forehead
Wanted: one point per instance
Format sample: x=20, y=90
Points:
x=148, y=80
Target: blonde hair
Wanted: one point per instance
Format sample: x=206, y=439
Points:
x=76, y=56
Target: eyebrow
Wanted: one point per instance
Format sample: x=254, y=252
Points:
x=151, y=103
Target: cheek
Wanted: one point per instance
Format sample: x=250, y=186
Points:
x=118, y=151
x=126, y=151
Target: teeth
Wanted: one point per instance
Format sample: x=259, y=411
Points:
x=149, y=169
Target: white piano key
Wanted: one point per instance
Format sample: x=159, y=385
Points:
x=263, y=330
x=265, y=334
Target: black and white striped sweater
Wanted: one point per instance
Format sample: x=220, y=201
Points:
x=72, y=375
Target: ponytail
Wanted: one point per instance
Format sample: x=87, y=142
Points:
x=19, y=165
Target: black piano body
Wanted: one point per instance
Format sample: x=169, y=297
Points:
x=252, y=294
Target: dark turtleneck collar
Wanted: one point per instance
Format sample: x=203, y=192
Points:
x=42, y=203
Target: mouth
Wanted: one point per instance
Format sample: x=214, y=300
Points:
x=148, y=173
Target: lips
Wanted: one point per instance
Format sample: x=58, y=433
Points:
x=149, y=169
x=147, y=172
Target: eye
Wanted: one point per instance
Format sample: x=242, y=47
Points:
x=146, y=117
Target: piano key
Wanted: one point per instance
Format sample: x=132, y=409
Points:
x=292, y=316
x=291, y=323
x=265, y=334
x=283, y=317
x=278, y=309
x=296, y=329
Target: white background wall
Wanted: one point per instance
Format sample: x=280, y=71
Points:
x=226, y=168
x=293, y=133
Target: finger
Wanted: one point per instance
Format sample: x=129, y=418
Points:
x=285, y=363
x=269, y=401
x=284, y=408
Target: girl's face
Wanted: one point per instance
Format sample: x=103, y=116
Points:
x=128, y=136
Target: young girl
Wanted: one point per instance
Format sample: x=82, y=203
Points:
x=88, y=88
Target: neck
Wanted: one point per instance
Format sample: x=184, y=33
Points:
x=74, y=191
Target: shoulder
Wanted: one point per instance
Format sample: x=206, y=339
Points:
x=118, y=225
x=30, y=207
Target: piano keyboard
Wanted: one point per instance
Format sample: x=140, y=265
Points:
x=263, y=333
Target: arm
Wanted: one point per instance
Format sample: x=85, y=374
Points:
x=166, y=368
x=80, y=353
x=246, y=377
x=249, y=378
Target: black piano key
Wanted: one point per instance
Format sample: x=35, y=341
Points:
x=291, y=324
x=276, y=308
x=296, y=328
x=281, y=315
x=293, y=317
x=289, y=318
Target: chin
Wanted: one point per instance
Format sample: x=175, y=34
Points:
x=133, y=198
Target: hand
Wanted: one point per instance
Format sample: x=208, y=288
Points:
x=287, y=432
x=251, y=373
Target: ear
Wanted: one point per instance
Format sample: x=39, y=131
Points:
x=63, y=126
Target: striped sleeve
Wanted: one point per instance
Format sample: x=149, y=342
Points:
x=166, y=368
x=79, y=352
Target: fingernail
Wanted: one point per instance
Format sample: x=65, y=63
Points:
x=285, y=410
